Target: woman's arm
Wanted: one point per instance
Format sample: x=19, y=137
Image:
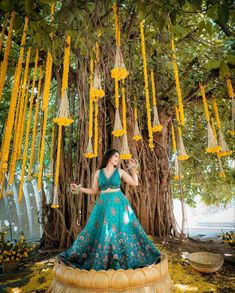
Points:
x=131, y=180
x=93, y=190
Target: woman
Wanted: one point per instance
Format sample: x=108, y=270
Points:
x=113, y=238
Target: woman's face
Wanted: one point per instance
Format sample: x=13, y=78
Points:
x=114, y=159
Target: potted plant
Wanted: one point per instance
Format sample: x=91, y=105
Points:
x=12, y=252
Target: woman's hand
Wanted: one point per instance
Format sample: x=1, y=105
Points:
x=75, y=188
x=133, y=164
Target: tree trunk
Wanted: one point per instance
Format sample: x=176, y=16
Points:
x=151, y=200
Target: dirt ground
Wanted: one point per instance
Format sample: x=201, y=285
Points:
x=35, y=274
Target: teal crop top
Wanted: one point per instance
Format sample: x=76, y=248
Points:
x=113, y=181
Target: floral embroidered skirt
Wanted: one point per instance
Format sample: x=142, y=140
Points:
x=113, y=238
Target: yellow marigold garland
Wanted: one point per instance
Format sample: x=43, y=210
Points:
x=124, y=105
x=150, y=132
x=18, y=105
x=173, y=139
x=62, y=119
x=177, y=82
x=230, y=87
x=25, y=153
x=10, y=118
x=6, y=55
x=20, y=122
x=23, y=119
x=46, y=94
x=66, y=65
x=119, y=71
x=96, y=129
x=232, y=96
x=137, y=136
x=89, y=151
x=35, y=125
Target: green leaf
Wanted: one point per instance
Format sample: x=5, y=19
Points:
x=212, y=12
x=196, y=3
x=173, y=16
x=213, y=64
x=163, y=20
x=208, y=27
x=181, y=2
x=223, y=70
x=230, y=59
x=223, y=12
x=201, y=26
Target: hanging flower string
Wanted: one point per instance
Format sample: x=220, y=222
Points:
x=20, y=122
x=119, y=72
x=177, y=82
x=19, y=155
x=221, y=170
x=137, y=136
x=96, y=90
x=150, y=130
x=125, y=152
x=45, y=101
x=25, y=153
x=89, y=151
x=37, y=105
x=156, y=123
x=181, y=150
x=225, y=151
x=96, y=130
x=50, y=171
x=6, y=55
x=62, y=119
x=10, y=118
x=173, y=139
x=232, y=96
x=212, y=142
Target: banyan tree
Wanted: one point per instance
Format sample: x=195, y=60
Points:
x=79, y=77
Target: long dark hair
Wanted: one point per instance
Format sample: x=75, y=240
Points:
x=108, y=154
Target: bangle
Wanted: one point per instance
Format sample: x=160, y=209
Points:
x=79, y=187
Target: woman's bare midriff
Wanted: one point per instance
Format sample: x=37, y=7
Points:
x=110, y=190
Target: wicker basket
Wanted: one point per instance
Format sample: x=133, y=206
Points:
x=151, y=279
x=206, y=262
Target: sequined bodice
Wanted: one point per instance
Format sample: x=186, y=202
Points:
x=112, y=182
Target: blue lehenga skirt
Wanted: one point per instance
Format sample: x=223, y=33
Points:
x=113, y=238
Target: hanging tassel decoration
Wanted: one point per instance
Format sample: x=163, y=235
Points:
x=212, y=142
x=125, y=152
x=89, y=151
x=62, y=119
x=182, y=152
x=137, y=136
x=177, y=175
x=225, y=151
x=156, y=123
